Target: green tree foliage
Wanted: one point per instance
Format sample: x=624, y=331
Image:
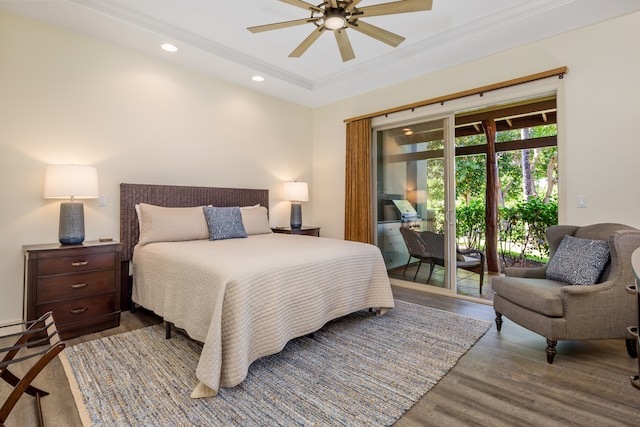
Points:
x=522, y=222
x=470, y=226
x=522, y=229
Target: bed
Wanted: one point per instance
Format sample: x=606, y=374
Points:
x=243, y=297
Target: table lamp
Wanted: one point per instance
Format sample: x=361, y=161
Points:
x=296, y=192
x=71, y=182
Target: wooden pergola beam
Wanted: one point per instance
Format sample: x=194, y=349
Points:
x=491, y=199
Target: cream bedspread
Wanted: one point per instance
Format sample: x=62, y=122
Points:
x=246, y=298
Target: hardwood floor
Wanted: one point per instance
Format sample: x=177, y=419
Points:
x=504, y=380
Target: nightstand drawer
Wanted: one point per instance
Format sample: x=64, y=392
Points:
x=55, y=288
x=76, y=263
x=79, y=309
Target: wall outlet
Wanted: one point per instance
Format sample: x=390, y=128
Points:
x=582, y=201
x=102, y=200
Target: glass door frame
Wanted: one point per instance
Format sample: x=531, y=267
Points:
x=448, y=120
x=450, y=108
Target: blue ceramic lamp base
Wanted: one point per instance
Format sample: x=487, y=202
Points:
x=296, y=215
x=71, y=228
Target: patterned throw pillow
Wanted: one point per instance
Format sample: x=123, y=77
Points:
x=578, y=261
x=224, y=223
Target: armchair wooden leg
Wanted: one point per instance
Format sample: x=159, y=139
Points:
x=498, y=321
x=631, y=348
x=551, y=350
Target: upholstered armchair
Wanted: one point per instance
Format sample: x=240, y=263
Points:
x=536, y=299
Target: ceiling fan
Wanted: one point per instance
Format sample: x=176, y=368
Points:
x=337, y=16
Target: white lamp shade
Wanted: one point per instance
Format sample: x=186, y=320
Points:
x=71, y=182
x=296, y=191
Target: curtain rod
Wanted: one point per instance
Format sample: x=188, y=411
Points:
x=560, y=72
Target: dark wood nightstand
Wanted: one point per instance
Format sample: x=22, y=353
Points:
x=80, y=284
x=304, y=230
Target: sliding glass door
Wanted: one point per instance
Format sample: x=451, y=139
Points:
x=415, y=190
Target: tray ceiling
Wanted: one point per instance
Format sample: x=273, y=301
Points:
x=213, y=37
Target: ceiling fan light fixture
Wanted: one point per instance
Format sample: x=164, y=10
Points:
x=334, y=19
x=339, y=16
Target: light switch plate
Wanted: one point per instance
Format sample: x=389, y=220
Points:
x=102, y=200
x=582, y=201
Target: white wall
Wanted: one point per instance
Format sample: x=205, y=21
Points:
x=70, y=99
x=598, y=151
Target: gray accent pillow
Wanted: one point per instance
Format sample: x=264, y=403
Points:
x=224, y=223
x=578, y=261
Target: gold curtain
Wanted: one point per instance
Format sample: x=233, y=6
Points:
x=357, y=207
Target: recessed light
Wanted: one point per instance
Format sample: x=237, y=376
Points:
x=257, y=78
x=169, y=47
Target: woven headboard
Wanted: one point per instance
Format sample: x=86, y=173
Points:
x=176, y=196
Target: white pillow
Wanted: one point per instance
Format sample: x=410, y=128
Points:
x=162, y=224
x=255, y=220
x=139, y=216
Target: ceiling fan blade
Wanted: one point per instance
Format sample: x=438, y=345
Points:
x=333, y=3
x=346, y=51
x=352, y=5
x=278, y=25
x=402, y=6
x=303, y=4
x=306, y=43
x=377, y=33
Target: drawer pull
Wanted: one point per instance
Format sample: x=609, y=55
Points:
x=79, y=285
x=79, y=263
x=78, y=310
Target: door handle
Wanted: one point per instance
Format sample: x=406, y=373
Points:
x=447, y=217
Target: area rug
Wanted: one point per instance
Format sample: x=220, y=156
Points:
x=358, y=370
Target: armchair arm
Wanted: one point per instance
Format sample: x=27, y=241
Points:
x=473, y=252
x=469, y=251
x=530, y=273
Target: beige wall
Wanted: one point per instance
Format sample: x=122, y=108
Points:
x=70, y=99
x=599, y=148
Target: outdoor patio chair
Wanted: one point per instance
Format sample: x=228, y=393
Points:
x=467, y=259
x=429, y=246
x=417, y=249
